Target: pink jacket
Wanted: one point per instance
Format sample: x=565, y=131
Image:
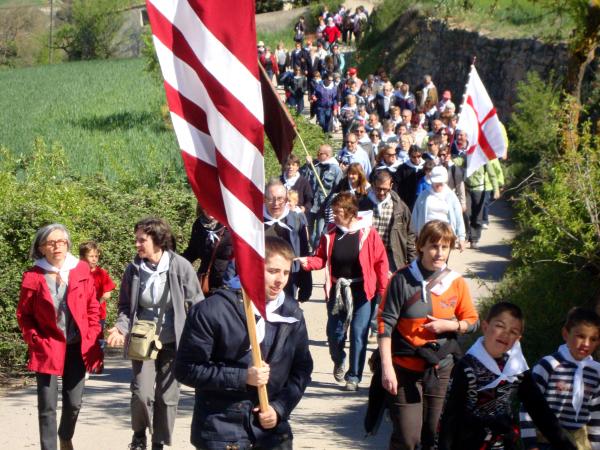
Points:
x=37, y=320
x=372, y=256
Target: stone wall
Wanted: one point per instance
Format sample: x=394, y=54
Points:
x=420, y=45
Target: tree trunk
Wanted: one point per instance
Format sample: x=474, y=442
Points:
x=582, y=50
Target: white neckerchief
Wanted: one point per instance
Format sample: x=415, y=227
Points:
x=515, y=365
x=379, y=203
x=269, y=220
x=63, y=271
x=329, y=162
x=290, y=182
x=578, y=384
x=409, y=163
x=271, y=306
x=440, y=287
x=363, y=220
x=214, y=235
x=153, y=281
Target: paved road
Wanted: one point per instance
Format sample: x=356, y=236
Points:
x=327, y=417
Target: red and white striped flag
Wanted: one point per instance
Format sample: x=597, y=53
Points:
x=207, y=54
x=478, y=118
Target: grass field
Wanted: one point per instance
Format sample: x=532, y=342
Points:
x=106, y=114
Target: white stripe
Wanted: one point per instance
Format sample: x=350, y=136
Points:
x=193, y=141
x=215, y=56
x=233, y=145
x=243, y=221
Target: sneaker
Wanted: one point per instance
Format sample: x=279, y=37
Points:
x=474, y=245
x=338, y=372
x=485, y=226
x=351, y=386
x=138, y=443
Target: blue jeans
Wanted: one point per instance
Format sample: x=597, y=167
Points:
x=324, y=118
x=359, y=330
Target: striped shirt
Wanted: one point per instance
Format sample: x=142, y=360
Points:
x=554, y=376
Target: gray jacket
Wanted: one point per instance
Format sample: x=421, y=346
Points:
x=184, y=289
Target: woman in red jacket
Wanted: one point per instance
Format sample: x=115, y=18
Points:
x=356, y=269
x=58, y=315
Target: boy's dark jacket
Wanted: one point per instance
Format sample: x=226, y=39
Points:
x=213, y=357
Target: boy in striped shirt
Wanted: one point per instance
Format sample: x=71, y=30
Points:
x=570, y=382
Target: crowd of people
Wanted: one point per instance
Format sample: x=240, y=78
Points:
x=381, y=215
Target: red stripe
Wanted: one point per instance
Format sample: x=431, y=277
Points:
x=482, y=140
x=490, y=114
x=230, y=175
x=232, y=23
x=186, y=108
x=228, y=105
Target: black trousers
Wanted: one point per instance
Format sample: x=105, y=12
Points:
x=73, y=381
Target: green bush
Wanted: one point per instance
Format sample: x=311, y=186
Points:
x=38, y=190
x=91, y=29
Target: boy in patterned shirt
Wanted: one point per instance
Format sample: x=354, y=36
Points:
x=570, y=381
x=478, y=413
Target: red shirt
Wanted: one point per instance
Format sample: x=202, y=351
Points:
x=103, y=284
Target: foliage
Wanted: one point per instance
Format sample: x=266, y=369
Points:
x=20, y=30
x=90, y=31
x=316, y=9
x=39, y=189
x=545, y=292
x=263, y=6
x=106, y=115
x=537, y=103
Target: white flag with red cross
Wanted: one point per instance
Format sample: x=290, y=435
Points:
x=479, y=120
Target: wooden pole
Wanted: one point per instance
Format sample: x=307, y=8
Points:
x=310, y=161
x=263, y=398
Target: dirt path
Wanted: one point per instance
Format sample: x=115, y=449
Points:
x=327, y=417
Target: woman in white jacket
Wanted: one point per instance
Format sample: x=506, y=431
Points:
x=439, y=203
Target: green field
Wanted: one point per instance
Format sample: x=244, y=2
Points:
x=106, y=114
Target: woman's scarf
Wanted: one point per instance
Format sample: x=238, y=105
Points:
x=154, y=279
x=272, y=317
x=441, y=285
x=63, y=271
x=269, y=220
x=290, y=182
x=419, y=166
x=578, y=384
x=515, y=365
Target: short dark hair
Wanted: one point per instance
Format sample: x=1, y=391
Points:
x=292, y=159
x=435, y=231
x=159, y=231
x=381, y=176
x=276, y=246
x=88, y=246
x=578, y=315
x=502, y=307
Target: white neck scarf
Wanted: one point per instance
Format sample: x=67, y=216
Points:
x=578, y=384
x=214, y=236
x=290, y=182
x=269, y=220
x=419, y=166
x=440, y=287
x=270, y=307
x=63, y=272
x=515, y=365
x=380, y=203
x=154, y=280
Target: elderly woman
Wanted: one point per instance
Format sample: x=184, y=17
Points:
x=59, y=317
x=439, y=202
x=356, y=270
x=425, y=308
x=159, y=286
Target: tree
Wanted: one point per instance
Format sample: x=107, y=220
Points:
x=91, y=29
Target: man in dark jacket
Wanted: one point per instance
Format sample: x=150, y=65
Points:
x=214, y=357
x=391, y=219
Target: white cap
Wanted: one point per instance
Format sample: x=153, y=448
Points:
x=439, y=174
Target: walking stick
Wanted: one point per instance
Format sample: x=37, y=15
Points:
x=263, y=398
x=310, y=161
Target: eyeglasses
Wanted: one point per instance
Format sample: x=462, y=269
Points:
x=276, y=200
x=57, y=243
x=390, y=154
x=442, y=155
x=382, y=189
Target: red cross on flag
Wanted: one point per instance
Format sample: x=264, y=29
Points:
x=478, y=118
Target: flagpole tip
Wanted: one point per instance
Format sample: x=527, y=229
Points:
x=473, y=60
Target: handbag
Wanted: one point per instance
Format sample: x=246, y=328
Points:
x=144, y=341
x=204, y=278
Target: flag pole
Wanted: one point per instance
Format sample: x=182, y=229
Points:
x=263, y=398
x=310, y=161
